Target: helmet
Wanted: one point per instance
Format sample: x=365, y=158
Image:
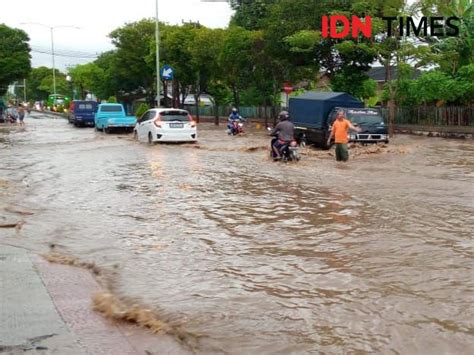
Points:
x=284, y=115
x=234, y=109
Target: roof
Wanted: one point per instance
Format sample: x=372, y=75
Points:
x=163, y=109
x=378, y=73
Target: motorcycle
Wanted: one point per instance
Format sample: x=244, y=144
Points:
x=288, y=151
x=235, y=127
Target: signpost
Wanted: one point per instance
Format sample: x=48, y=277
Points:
x=167, y=73
x=288, y=89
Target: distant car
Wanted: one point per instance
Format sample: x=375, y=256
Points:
x=81, y=113
x=204, y=100
x=113, y=116
x=166, y=125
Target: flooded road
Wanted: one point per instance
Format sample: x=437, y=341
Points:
x=250, y=256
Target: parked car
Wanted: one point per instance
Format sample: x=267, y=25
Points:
x=310, y=112
x=81, y=113
x=113, y=116
x=166, y=125
x=369, y=120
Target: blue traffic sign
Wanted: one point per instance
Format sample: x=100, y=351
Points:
x=167, y=73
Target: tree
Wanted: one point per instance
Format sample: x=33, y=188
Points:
x=88, y=78
x=452, y=52
x=236, y=59
x=134, y=64
x=14, y=56
x=250, y=14
x=47, y=84
x=33, y=83
x=176, y=47
x=207, y=43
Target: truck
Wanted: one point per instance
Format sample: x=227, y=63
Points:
x=81, y=113
x=314, y=112
x=113, y=116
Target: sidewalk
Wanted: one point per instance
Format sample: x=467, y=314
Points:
x=46, y=309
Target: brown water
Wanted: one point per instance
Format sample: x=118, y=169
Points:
x=252, y=256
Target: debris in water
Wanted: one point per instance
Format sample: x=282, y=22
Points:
x=109, y=306
x=256, y=148
x=17, y=225
x=24, y=213
x=57, y=258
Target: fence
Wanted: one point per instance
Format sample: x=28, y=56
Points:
x=432, y=116
x=416, y=115
x=248, y=112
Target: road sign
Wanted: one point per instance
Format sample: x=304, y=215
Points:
x=288, y=88
x=167, y=73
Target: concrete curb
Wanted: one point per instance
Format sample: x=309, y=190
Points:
x=48, y=307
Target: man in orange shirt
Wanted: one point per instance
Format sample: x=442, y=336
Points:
x=340, y=132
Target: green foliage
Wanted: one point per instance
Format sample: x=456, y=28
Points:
x=270, y=42
x=355, y=83
x=112, y=99
x=47, y=84
x=132, y=67
x=88, y=78
x=141, y=110
x=465, y=81
x=14, y=56
x=33, y=83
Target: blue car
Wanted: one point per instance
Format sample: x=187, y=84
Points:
x=81, y=113
x=112, y=117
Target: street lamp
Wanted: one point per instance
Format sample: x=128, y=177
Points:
x=51, y=28
x=69, y=80
x=157, y=42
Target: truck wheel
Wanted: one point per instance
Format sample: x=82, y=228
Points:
x=106, y=130
x=326, y=146
x=150, y=138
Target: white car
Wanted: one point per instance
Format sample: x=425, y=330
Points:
x=166, y=125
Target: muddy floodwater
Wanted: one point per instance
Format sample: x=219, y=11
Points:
x=249, y=256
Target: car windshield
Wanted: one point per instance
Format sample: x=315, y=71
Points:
x=169, y=116
x=114, y=108
x=367, y=119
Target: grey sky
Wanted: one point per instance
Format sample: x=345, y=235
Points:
x=97, y=18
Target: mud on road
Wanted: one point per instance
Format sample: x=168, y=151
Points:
x=244, y=255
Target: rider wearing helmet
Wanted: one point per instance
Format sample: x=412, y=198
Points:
x=285, y=130
x=234, y=116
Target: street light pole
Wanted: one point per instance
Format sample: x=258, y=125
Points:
x=157, y=40
x=54, y=65
x=51, y=28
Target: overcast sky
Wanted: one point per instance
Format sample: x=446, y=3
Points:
x=96, y=19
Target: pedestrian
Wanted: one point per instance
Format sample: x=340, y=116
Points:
x=340, y=132
x=21, y=114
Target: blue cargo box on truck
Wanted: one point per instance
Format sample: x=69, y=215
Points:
x=310, y=114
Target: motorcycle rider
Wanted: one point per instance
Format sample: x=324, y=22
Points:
x=234, y=116
x=285, y=130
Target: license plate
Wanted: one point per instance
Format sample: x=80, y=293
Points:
x=176, y=125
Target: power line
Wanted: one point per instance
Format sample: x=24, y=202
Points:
x=65, y=53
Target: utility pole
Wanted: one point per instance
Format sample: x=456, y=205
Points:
x=54, y=65
x=51, y=28
x=24, y=90
x=157, y=40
